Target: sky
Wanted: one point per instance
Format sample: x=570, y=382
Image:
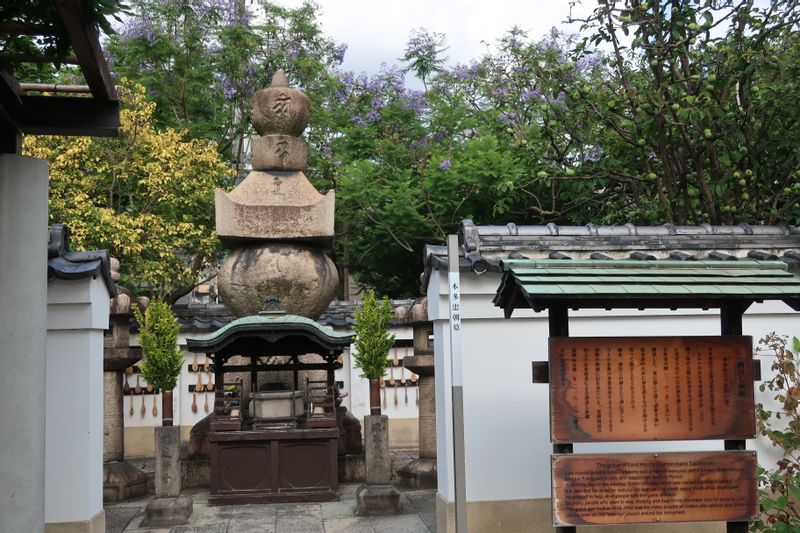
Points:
x=376, y=31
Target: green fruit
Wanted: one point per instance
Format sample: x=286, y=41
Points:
x=570, y=172
x=654, y=63
x=692, y=192
x=541, y=174
x=676, y=107
x=737, y=174
x=745, y=196
x=693, y=26
x=742, y=182
x=640, y=142
x=651, y=176
x=707, y=133
x=748, y=172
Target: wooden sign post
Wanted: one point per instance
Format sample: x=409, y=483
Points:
x=618, y=389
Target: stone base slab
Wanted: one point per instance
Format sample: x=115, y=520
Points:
x=535, y=515
x=372, y=500
x=96, y=524
x=166, y=512
x=419, y=474
x=122, y=481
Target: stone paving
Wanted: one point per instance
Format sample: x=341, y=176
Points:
x=418, y=515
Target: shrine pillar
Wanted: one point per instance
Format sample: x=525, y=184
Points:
x=23, y=284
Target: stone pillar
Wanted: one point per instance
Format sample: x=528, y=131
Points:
x=23, y=285
x=427, y=417
x=168, y=508
x=121, y=480
x=420, y=473
x=77, y=315
x=113, y=421
x=378, y=496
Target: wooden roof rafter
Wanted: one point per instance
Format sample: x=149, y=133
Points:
x=60, y=115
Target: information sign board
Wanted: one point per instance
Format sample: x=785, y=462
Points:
x=635, y=488
x=651, y=388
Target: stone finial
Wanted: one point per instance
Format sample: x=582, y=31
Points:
x=280, y=114
x=279, y=109
x=279, y=79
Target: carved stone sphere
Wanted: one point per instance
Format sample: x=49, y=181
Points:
x=304, y=279
x=280, y=109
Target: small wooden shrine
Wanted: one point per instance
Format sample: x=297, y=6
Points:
x=272, y=443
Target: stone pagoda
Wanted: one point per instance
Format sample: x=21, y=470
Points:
x=278, y=227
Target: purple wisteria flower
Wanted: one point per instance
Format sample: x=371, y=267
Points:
x=415, y=101
x=508, y=117
x=422, y=43
x=445, y=165
x=534, y=94
x=466, y=72
x=337, y=54
x=234, y=13
x=140, y=27
x=588, y=62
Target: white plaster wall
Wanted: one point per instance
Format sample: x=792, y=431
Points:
x=74, y=399
x=23, y=285
x=74, y=451
x=506, y=423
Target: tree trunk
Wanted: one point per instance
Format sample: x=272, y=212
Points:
x=374, y=397
x=166, y=408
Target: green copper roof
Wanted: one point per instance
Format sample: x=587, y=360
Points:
x=540, y=284
x=272, y=327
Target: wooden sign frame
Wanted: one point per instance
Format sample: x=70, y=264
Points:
x=651, y=388
x=640, y=488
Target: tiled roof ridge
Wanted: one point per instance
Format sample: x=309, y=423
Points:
x=483, y=247
x=194, y=318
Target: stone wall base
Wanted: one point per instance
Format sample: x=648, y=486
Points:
x=96, y=524
x=534, y=516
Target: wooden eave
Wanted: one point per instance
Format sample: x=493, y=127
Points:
x=543, y=284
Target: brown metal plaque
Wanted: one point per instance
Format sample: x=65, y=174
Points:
x=651, y=388
x=638, y=488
